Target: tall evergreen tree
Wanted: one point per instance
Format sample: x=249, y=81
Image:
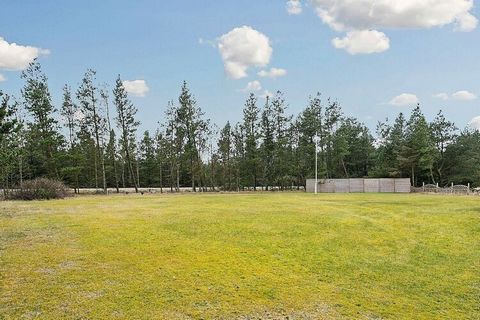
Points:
x=127, y=124
x=71, y=114
x=194, y=130
x=417, y=154
x=282, y=152
x=267, y=149
x=44, y=140
x=111, y=148
x=225, y=150
x=9, y=148
x=148, y=160
x=251, y=126
x=443, y=134
x=87, y=95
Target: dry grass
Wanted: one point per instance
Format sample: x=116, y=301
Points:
x=241, y=256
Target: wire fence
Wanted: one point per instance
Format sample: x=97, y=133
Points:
x=458, y=189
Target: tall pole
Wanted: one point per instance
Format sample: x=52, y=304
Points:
x=316, y=169
x=316, y=164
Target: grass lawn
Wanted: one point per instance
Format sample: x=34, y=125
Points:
x=241, y=256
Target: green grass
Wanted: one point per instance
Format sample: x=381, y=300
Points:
x=241, y=256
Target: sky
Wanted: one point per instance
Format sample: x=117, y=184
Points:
x=375, y=57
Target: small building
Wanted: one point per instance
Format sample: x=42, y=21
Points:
x=360, y=185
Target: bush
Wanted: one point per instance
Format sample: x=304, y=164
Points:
x=40, y=189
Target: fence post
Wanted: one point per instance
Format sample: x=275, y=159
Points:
x=423, y=186
x=468, y=190
x=452, y=188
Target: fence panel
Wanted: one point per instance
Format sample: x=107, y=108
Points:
x=372, y=185
x=402, y=185
x=328, y=186
x=356, y=185
x=384, y=185
x=342, y=186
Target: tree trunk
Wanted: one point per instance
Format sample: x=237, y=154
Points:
x=115, y=173
x=413, y=176
x=161, y=177
x=178, y=178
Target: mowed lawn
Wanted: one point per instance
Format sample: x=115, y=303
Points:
x=241, y=256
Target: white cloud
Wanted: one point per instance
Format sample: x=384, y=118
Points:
x=363, y=42
x=464, y=95
x=273, y=73
x=242, y=48
x=356, y=15
x=466, y=23
x=211, y=43
x=475, y=123
x=441, y=96
x=253, y=86
x=266, y=94
x=137, y=88
x=344, y=15
x=405, y=99
x=2, y=78
x=17, y=57
x=294, y=7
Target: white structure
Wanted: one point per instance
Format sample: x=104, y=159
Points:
x=360, y=185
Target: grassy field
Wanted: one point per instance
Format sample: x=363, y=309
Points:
x=241, y=256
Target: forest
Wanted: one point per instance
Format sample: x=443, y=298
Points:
x=92, y=140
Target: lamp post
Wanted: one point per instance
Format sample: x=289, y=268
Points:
x=316, y=139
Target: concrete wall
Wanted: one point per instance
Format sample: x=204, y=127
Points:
x=387, y=185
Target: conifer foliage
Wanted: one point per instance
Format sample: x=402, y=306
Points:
x=84, y=144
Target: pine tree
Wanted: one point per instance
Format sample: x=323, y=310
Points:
x=462, y=159
x=111, y=148
x=9, y=147
x=417, y=153
x=443, y=134
x=194, y=129
x=71, y=115
x=127, y=125
x=8, y=123
x=44, y=140
x=251, y=127
x=281, y=158
x=225, y=156
x=148, y=161
x=87, y=95
x=267, y=149
x=391, y=142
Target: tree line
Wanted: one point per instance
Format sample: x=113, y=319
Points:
x=91, y=140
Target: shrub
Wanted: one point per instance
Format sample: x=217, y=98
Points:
x=40, y=189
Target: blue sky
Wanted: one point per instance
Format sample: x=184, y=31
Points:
x=158, y=42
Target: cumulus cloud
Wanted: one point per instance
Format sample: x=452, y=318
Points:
x=464, y=95
x=253, y=86
x=294, y=7
x=2, y=78
x=441, y=96
x=405, y=99
x=475, y=123
x=466, y=23
x=17, y=57
x=273, y=73
x=343, y=15
x=371, y=15
x=363, y=42
x=266, y=94
x=136, y=88
x=242, y=48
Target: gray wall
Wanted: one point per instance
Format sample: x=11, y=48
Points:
x=386, y=185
